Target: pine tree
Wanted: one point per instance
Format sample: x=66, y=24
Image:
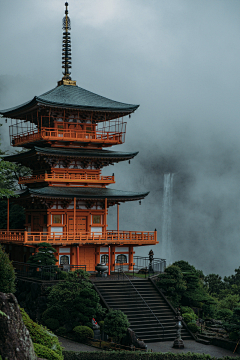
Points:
x=44, y=257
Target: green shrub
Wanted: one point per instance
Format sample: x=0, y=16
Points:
x=46, y=353
x=7, y=274
x=40, y=335
x=224, y=314
x=193, y=327
x=101, y=324
x=189, y=317
x=61, y=331
x=116, y=324
x=56, y=312
x=52, y=324
x=73, y=301
x=187, y=309
x=83, y=333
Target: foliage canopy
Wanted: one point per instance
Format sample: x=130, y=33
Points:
x=7, y=273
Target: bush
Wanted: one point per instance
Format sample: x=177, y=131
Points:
x=46, y=353
x=52, y=324
x=116, y=324
x=41, y=336
x=187, y=309
x=55, y=312
x=224, y=314
x=101, y=324
x=83, y=333
x=189, y=317
x=7, y=274
x=73, y=301
x=193, y=327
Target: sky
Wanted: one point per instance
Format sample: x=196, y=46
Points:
x=179, y=60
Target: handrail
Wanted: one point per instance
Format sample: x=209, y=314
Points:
x=121, y=237
x=144, y=302
x=67, y=177
x=69, y=134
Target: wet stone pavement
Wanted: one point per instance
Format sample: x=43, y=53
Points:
x=166, y=346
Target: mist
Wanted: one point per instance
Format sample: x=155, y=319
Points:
x=180, y=61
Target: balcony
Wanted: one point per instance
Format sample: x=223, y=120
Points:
x=98, y=137
x=111, y=237
x=77, y=179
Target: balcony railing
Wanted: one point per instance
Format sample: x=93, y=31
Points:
x=81, y=136
x=97, y=238
x=69, y=178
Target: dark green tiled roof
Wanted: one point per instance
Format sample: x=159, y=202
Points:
x=83, y=193
x=73, y=97
x=74, y=153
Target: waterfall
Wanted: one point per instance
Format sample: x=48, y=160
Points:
x=166, y=251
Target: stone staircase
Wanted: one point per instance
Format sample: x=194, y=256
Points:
x=149, y=314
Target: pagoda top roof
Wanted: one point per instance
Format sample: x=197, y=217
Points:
x=82, y=193
x=72, y=153
x=72, y=97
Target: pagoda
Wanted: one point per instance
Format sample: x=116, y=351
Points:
x=66, y=199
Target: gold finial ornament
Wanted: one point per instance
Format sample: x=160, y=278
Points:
x=66, y=51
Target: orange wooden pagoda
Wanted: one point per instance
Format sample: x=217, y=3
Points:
x=66, y=198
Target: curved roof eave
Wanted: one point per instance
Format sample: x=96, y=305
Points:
x=57, y=192
x=72, y=97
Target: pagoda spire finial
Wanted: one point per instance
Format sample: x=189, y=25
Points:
x=66, y=51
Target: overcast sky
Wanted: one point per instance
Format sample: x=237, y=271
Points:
x=178, y=59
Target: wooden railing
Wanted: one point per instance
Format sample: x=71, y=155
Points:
x=53, y=134
x=57, y=238
x=65, y=177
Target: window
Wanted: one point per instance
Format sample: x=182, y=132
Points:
x=104, y=259
x=64, y=260
x=96, y=219
x=121, y=259
x=57, y=219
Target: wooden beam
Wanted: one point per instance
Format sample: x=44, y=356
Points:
x=74, y=217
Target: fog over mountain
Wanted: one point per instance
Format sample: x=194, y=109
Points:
x=179, y=60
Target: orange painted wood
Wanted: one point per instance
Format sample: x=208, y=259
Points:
x=58, y=238
x=54, y=134
x=64, y=177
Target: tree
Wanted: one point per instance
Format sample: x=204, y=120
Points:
x=73, y=301
x=116, y=324
x=229, y=302
x=45, y=255
x=173, y=284
x=214, y=283
x=7, y=273
x=233, y=324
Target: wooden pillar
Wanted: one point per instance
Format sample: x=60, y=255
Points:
x=77, y=249
x=112, y=258
x=109, y=260
x=131, y=258
x=118, y=221
x=74, y=218
x=49, y=222
x=106, y=217
x=7, y=214
x=97, y=255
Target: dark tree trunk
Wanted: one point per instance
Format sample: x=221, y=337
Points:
x=15, y=341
